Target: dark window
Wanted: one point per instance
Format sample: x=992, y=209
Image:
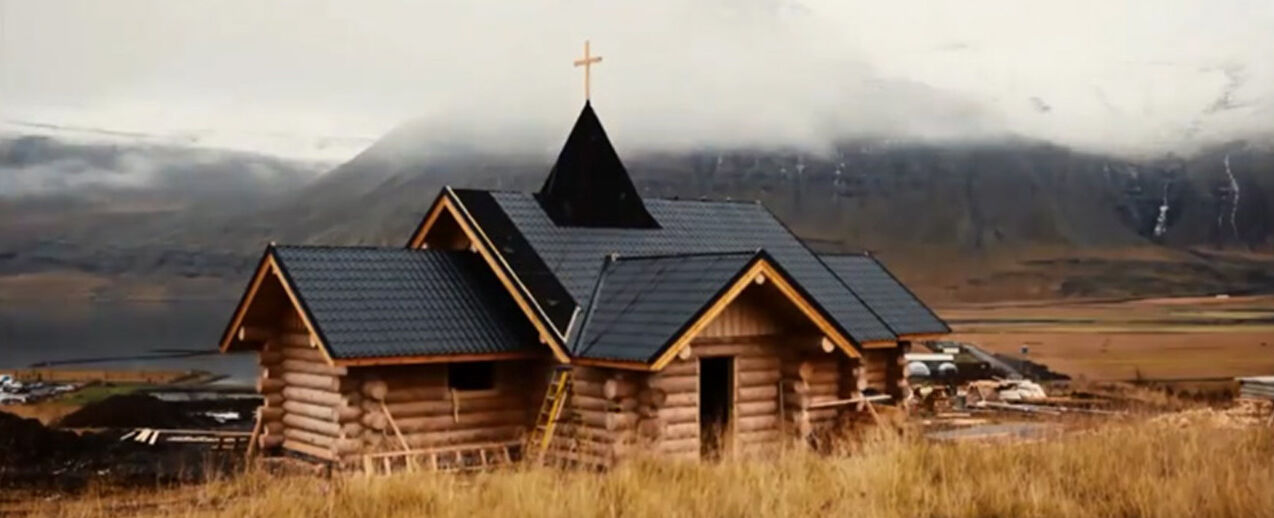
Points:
x=471, y=376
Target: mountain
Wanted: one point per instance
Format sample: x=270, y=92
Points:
x=965, y=222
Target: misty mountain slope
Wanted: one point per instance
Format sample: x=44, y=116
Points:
x=964, y=221
x=994, y=214
x=119, y=209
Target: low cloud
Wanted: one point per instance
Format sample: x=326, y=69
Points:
x=1130, y=78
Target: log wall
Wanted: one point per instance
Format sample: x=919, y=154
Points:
x=310, y=407
x=600, y=419
x=338, y=413
x=428, y=414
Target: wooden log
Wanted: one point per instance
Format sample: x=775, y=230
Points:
x=375, y=420
x=758, y=393
x=681, y=414
x=270, y=358
x=309, y=367
x=599, y=434
x=338, y=414
x=801, y=370
x=758, y=363
x=650, y=428
x=759, y=436
x=674, y=446
x=316, y=397
x=314, y=381
x=408, y=395
x=583, y=402
x=348, y=446
x=270, y=385
x=762, y=347
x=796, y=387
x=681, y=431
x=614, y=389
x=675, y=384
x=312, y=450
x=272, y=400
x=753, y=423
x=447, y=407
x=824, y=376
x=303, y=353
x=823, y=414
x=608, y=420
x=683, y=399
x=271, y=413
x=297, y=340
x=823, y=389
x=686, y=368
x=377, y=390
x=255, y=334
x=758, y=378
x=652, y=397
x=310, y=424
x=752, y=408
x=647, y=411
x=270, y=441
x=477, y=419
x=466, y=436
x=309, y=437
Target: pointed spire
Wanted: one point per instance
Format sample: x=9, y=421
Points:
x=588, y=186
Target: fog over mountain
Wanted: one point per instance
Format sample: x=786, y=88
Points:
x=1033, y=149
x=320, y=80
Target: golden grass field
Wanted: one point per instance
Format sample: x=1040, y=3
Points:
x=1142, y=468
x=1181, y=338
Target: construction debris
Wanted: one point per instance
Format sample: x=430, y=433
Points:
x=1014, y=390
x=1257, y=387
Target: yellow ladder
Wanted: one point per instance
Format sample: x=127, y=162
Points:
x=554, y=400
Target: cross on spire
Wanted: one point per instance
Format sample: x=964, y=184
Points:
x=587, y=62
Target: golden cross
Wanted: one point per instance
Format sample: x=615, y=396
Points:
x=587, y=63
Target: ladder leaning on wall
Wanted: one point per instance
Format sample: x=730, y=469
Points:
x=555, y=396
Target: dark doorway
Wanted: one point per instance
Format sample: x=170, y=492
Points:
x=716, y=397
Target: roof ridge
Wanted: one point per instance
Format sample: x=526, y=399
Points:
x=848, y=254
x=715, y=253
x=345, y=247
x=706, y=200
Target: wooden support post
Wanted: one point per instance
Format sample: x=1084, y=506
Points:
x=252, y=441
x=392, y=424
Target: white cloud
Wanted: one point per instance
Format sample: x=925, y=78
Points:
x=1125, y=77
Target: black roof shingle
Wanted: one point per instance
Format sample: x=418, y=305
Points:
x=573, y=255
x=388, y=302
x=641, y=303
x=901, y=310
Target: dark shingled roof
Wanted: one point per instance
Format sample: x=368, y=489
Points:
x=641, y=303
x=884, y=294
x=385, y=302
x=573, y=255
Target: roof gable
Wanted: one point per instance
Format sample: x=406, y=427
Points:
x=901, y=310
x=646, y=308
x=589, y=186
x=367, y=304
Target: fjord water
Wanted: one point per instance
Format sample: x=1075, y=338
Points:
x=124, y=335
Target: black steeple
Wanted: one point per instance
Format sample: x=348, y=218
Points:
x=588, y=186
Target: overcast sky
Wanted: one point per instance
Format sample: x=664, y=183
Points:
x=1123, y=77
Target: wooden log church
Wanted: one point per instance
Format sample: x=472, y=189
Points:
x=581, y=323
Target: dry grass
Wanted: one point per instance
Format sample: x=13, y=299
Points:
x=1150, y=469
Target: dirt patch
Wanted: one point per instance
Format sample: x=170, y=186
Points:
x=142, y=410
x=32, y=455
